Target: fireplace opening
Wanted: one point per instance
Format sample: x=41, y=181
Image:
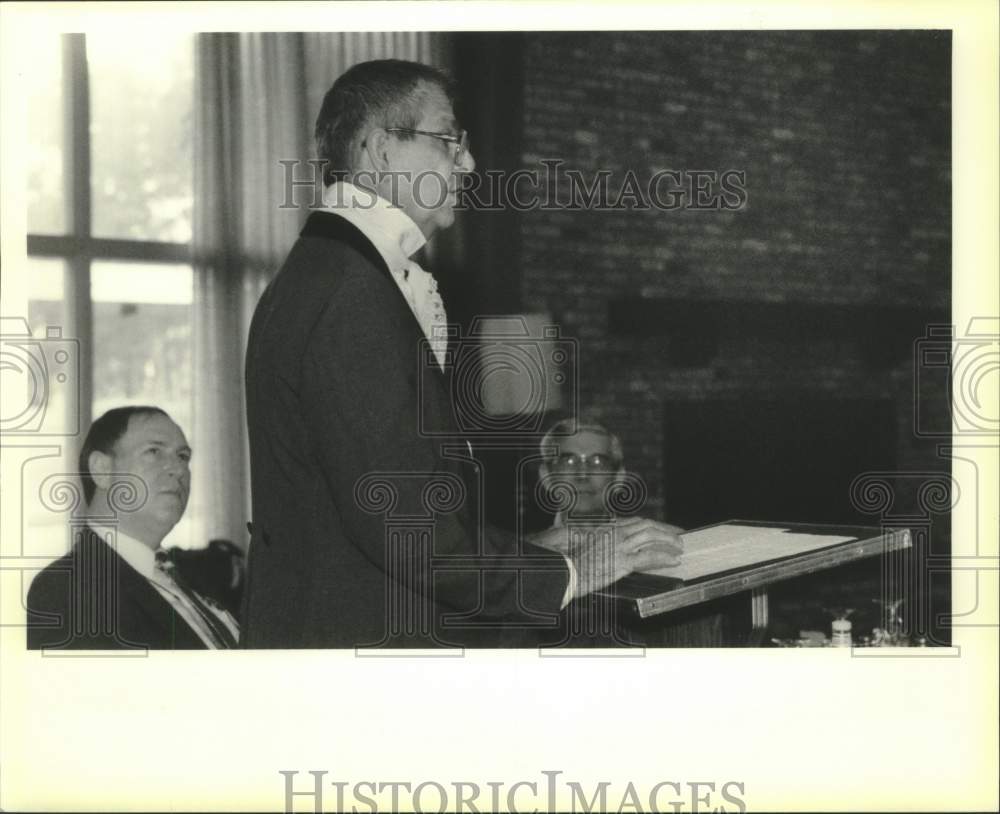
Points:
x=778, y=459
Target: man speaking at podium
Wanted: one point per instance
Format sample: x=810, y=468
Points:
x=347, y=448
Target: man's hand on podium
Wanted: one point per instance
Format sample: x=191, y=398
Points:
x=604, y=553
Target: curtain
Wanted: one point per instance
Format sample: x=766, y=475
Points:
x=256, y=99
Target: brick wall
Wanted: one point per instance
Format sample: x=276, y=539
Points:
x=845, y=141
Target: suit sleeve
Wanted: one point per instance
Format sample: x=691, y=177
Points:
x=361, y=401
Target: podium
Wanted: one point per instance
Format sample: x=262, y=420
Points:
x=746, y=556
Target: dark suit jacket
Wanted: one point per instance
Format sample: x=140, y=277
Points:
x=337, y=390
x=91, y=599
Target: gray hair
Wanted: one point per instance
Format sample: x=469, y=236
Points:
x=380, y=93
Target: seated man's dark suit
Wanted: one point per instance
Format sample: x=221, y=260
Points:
x=91, y=599
x=337, y=389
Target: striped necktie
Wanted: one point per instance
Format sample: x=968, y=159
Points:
x=224, y=639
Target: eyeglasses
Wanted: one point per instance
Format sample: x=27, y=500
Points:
x=461, y=141
x=597, y=462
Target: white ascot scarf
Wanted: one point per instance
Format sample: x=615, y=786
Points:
x=395, y=237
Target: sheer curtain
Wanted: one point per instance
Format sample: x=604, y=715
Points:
x=256, y=99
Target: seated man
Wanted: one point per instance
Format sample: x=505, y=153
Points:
x=582, y=467
x=583, y=474
x=589, y=463
x=115, y=589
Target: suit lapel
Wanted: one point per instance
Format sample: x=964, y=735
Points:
x=144, y=612
x=329, y=226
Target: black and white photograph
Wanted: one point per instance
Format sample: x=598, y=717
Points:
x=487, y=370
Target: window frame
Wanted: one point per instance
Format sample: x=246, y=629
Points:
x=78, y=247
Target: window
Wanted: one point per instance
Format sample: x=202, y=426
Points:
x=110, y=181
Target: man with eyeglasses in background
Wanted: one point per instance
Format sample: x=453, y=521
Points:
x=347, y=431
x=588, y=461
x=582, y=468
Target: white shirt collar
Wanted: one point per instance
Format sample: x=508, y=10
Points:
x=389, y=228
x=137, y=554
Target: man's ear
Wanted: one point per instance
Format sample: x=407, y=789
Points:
x=377, y=149
x=100, y=469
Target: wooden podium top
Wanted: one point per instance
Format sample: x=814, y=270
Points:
x=653, y=594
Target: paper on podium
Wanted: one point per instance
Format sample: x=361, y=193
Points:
x=723, y=548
